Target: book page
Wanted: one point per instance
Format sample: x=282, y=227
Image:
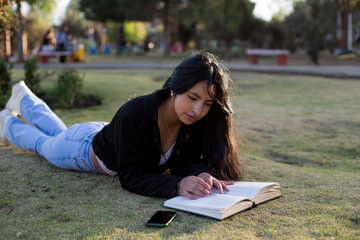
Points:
x=247, y=189
x=241, y=196
x=213, y=201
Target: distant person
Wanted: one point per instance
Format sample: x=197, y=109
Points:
x=61, y=41
x=186, y=127
x=48, y=41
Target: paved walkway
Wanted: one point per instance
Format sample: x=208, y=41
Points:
x=336, y=71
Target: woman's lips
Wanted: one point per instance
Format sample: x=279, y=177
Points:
x=191, y=118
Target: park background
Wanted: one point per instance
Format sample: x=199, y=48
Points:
x=297, y=129
x=227, y=28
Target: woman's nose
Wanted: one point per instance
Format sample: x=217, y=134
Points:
x=197, y=108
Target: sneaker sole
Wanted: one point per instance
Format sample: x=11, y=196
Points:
x=4, y=118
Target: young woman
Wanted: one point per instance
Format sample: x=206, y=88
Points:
x=185, y=127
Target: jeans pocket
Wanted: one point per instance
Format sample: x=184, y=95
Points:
x=80, y=131
x=77, y=132
x=82, y=165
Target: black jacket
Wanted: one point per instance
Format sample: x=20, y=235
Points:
x=130, y=145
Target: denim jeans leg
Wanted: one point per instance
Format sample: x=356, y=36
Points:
x=71, y=148
x=24, y=136
x=38, y=113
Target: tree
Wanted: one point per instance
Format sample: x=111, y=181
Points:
x=223, y=20
x=36, y=26
x=230, y=19
x=45, y=5
x=309, y=24
x=345, y=7
x=186, y=31
x=118, y=11
x=7, y=20
x=75, y=21
x=169, y=16
x=135, y=31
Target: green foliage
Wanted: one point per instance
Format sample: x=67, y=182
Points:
x=37, y=24
x=5, y=78
x=119, y=10
x=41, y=8
x=134, y=31
x=32, y=78
x=7, y=17
x=46, y=5
x=113, y=29
x=43, y=5
x=68, y=88
x=7, y=21
x=75, y=20
x=309, y=24
x=228, y=22
x=221, y=20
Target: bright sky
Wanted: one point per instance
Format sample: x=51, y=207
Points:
x=264, y=9
x=59, y=11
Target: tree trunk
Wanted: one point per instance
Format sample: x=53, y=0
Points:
x=205, y=42
x=20, y=56
x=167, y=28
x=7, y=45
x=120, y=39
x=344, y=28
x=4, y=46
x=345, y=7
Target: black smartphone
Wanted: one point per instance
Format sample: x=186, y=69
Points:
x=161, y=219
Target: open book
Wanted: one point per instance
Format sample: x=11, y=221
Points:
x=242, y=195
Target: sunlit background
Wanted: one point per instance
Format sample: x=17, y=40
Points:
x=228, y=28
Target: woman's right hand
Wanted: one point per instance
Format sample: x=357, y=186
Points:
x=193, y=187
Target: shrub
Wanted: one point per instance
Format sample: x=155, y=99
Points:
x=32, y=78
x=68, y=88
x=5, y=78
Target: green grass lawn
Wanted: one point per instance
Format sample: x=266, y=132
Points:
x=300, y=131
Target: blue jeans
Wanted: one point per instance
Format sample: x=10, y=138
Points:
x=67, y=148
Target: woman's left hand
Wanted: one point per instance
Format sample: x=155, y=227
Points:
x=213, y=182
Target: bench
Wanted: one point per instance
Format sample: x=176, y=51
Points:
x=44, y=56
x=280, y=53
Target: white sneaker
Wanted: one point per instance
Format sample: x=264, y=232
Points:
x=19, y=90
x=5, y=115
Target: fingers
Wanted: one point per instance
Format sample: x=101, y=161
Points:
x=193, y=187
x=228, y=182
x=225, y=183
x=207, y=178
x=190, y=195
x=221, y=185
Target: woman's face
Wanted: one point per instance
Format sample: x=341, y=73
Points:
x=193, y=104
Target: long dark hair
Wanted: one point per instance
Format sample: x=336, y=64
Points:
x=220, y=144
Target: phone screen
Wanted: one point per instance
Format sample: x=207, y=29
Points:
x=161, y=218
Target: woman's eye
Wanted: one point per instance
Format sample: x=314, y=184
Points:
x=208, y=104
x=192, y=98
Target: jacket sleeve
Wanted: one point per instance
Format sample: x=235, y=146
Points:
x=137, y=173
